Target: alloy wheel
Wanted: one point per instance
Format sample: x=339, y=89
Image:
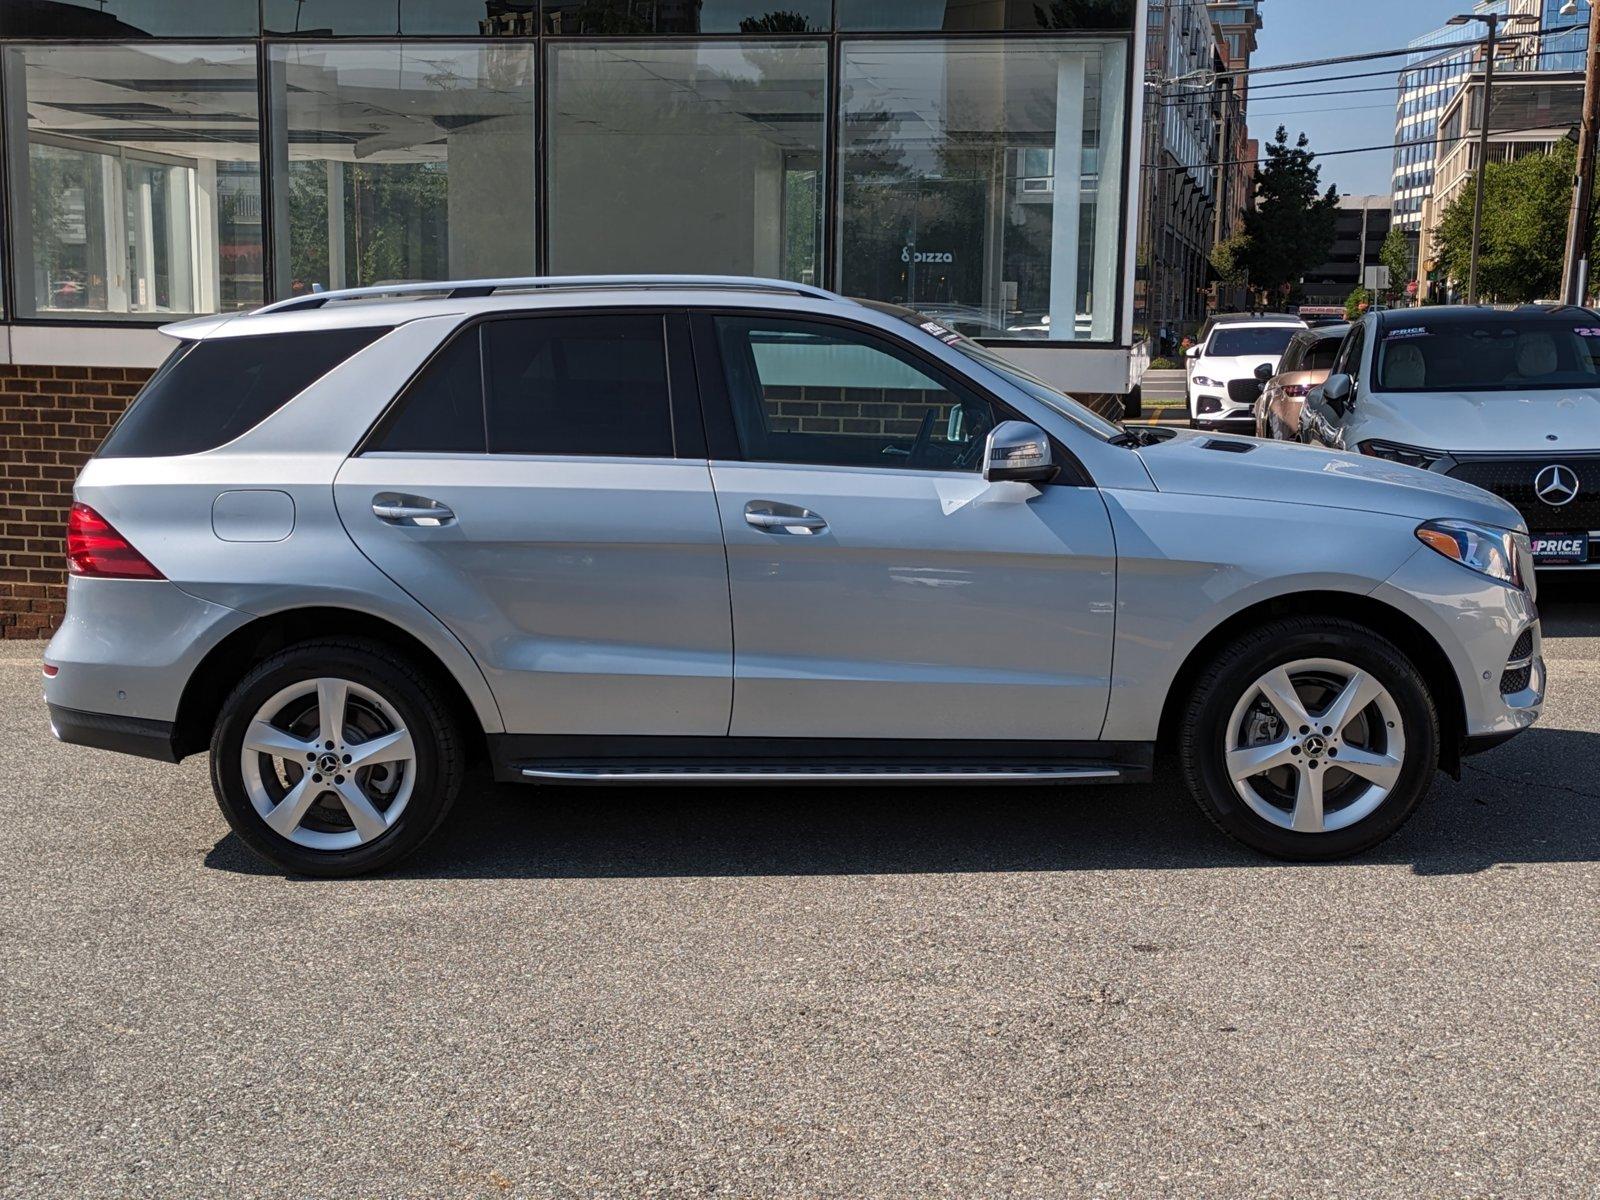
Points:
x=328, y=764
x=1315, y=745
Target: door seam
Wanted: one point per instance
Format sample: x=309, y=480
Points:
x=733, y=632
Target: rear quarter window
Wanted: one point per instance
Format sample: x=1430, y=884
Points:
x=209, y=392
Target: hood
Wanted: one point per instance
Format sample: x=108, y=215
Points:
x=1289, y=473
x=1242, y=366
x=1552, y=422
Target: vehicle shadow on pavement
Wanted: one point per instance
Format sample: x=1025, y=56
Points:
x=1533, y=800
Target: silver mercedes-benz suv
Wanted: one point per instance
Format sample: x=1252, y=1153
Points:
x=697, y=530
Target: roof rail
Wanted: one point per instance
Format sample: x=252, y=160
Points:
x=456, y=289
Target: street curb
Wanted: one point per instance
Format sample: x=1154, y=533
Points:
x=1174, y=414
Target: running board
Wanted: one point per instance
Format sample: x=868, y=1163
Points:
x=864, y=773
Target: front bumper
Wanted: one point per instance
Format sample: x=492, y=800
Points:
x=1479, y=624
x=1212, y=409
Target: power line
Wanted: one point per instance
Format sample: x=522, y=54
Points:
x=1372, y=55
x=1296, y=112
x=1239, y=162
x=1199, y=95
x=1279, y=96
x=1329, y=92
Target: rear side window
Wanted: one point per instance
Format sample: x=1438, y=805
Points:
x=589, y=385
x=1320, y=357
x=441, y=412
x=1292, y=356
x=211, y=391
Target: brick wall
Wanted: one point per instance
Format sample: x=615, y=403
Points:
x=51, y=420
x=870, y=412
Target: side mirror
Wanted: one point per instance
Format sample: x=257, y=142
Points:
x=1336, y=392
x=1192, y=352
x=1265, y=372
x=1018, y=450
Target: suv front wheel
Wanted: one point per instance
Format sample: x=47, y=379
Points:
x=335, y=758
x=1309, y=738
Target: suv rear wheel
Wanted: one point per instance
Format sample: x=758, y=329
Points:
x=1309, y=738
x=335, y=758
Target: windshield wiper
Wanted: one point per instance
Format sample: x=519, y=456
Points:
x=1142, y=435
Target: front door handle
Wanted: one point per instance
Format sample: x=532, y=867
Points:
x=769, y=516
x=395, y=509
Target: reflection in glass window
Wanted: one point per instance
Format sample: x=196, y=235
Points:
x=395, y=18
x=830, y=396
x=404, y=162
x=136, y=183
x=981, y=182
x=687, y=157
x=985, y=15
x=624, y=17
x=125, y=19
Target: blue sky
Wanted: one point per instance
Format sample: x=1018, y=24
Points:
x=1296, y=30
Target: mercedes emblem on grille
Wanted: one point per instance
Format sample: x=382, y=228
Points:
x=1556, y=485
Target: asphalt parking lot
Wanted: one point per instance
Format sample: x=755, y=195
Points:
x=844, y=993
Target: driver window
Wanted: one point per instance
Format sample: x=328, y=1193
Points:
x=828, y=395
x=1350, y=354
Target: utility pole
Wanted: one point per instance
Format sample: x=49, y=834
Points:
x=1575, y=268
x=1492, y=20
x=1219, y=184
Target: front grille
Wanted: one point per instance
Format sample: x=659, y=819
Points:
x=1512, y=479
x=1524, y=647
x=1519, y=670
x=1514, y=681
x=1244, y=391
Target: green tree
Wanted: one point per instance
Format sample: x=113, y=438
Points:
x=1356, y=302
x=1395, y=254
x=1523, y=239
x=394, y=222
x=1229, y=258
x=778, y=21
x=1290, y=230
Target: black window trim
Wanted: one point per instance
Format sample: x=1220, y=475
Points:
x=683, y=407
x=189, y=345
x=716, y=402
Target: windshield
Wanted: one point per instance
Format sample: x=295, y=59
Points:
x=1492, y=352
x=1237, y=341
x=1058, y=401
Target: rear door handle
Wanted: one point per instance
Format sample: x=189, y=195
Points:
x=395, y=509
x=770, y=516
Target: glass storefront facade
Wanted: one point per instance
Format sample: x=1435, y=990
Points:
x=173, y=157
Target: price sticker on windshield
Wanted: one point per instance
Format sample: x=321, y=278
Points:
x=1410, y=331
x=1587, y=331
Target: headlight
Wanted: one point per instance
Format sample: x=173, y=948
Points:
x=1411, y=456
x=1487, y=549
x=1203, y=381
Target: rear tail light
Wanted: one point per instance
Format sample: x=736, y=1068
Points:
x=96, y=550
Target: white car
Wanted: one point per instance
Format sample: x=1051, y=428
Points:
x=1223, y=384
x=1509, y=401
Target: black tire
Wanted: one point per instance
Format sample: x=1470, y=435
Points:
x=440, y=759
x=1236, y=668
